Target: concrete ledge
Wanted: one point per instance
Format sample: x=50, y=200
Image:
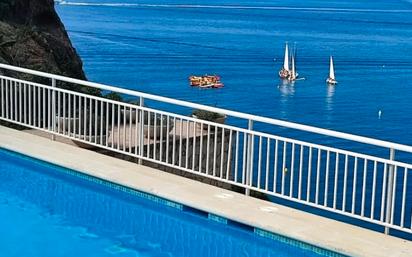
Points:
x=319, y=231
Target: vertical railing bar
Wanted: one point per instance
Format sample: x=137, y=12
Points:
x=208, y=149
x=141, y=138
x=174, y=141
x=214, y=153
x=49, y=97
x=383, y=193
x=244, y=164
x=155, y=135
x=10, y=96
x=124, y=145
x=251, y=160
x=292, y=167
x=161, y=138
x=187, y=142
x=10, y=101
x=137, y=135
x=39, y=105
x=44, y=107
x=309, y=175
x=345, y=178
x=7, y=100
x=15, y=107
x=267, y=163
x=229, y=156
x=335, y=185
x=355, y=177
x=53, y=108
x=405, y=182
x=222, y=153
x=201, y=147
x=300, y=172
x=284, y=171
x=168, y=137
x=80, y=117
x=259, y=162
x=390, y=187
x=375, y=166
x=58, y=111
x=21, y=105
x=16, y=101
x=119, y=107
x=194, y=145
x=393, y=195
x=107, y=125
x=90, y=119
x=325, y=202
x=53, y=137
x=95, y=120
x=275, y=166
x=237, y=156
x=101, y=123
x=74, y=115
x=25, y=105
x=149, y=124
x=84, y=118
x=365, y=169
x=69, y=106
x=29, y=100
x=34, y=105
x=249, y=157
x=2, y=98
x=63, y=117
x=131, y=129
x=112, y=126
x=318, y=176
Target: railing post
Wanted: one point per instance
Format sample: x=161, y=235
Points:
x=141, y=129
x=53, y=113
x=249, y=157
x=389, y=195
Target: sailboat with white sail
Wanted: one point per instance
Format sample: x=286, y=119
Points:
x=331, y=80
x=285, y=70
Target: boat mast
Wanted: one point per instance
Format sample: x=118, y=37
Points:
x=286, y=60
x=331, y=69
x=293, y=75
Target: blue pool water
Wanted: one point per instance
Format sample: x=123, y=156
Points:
x=154, y=48
x=49, y=211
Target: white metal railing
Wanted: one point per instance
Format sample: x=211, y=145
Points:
x=362, y=186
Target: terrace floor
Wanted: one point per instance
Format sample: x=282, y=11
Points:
x=323, y=232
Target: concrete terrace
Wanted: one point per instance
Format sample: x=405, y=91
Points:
x=316, y=230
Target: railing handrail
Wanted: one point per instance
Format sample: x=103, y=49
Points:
x=286, y=124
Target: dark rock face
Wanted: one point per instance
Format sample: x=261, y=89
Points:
x=32, y=36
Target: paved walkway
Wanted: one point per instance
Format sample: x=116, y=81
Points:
x=303, y=226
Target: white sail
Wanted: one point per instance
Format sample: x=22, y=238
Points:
x=286, y=61
x=331, y=69
x=293, y=75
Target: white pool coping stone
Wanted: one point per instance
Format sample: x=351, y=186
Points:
x=319, y=231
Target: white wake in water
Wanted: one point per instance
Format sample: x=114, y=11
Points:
x=236, y=7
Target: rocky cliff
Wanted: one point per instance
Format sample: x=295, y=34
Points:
x=32, y=36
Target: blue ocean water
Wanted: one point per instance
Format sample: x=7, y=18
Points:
x=154, y=45
x=45, y=211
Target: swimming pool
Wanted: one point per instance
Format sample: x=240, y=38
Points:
x=47, y=210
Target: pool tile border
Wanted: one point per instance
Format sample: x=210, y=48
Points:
x=181, y=207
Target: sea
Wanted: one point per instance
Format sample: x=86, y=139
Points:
x=153, y=46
